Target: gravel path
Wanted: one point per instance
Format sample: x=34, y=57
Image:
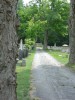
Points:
x=51, y=80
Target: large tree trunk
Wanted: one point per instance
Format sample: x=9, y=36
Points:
x=45, y=40
x=72, y=33
x=8, y=49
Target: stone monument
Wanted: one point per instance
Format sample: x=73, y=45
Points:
x=21, y=50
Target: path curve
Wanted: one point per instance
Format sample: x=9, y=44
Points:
x=51, y=80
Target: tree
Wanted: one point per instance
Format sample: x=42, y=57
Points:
x=26, y=13
x=59, y=22
x=45, y=20
x=8, y=49
x=22, y=26
x=35, y=30
x=72, y=33
x=55, y=13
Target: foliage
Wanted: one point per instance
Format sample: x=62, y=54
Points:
x=44, y=15
x=29, y=43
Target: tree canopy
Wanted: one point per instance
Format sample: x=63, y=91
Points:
x=44, y=16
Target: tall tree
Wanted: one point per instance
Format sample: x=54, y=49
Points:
x=72, y=32
x=8, y=49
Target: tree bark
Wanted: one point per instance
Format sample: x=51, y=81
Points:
x=8, y=49
x=72, y=33
x=45, y=40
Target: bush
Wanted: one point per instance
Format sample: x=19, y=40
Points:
x=29, y=43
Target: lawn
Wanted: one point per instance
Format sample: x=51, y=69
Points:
x=23, y=78
x=60, y=56
x=63, y=58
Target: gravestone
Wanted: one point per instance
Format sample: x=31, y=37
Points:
x=55, y=45
x=21, y=50
x=65, y=48
x=48, y=47
x=23, y=62
x=23, y=53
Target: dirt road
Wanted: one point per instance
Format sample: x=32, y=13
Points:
x=51, y=80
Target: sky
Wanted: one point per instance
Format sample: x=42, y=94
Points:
x=27, y=1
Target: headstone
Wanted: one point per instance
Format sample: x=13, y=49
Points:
x=21, y=45
x=55, y=45
x=25, y=52
x=23, y=62
x=65, y=45
x=65, y=48
x=48, y=47
x=21, y=50
x=20, y=54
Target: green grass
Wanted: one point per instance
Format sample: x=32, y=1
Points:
x=71, y=67
x=60, y=56
x=62, y=59
x=23, y=79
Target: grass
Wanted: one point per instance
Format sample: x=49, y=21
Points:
x=60, y=56
x=71, y=67
x=23, y=79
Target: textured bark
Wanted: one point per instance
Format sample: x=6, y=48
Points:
x=8, y=49
x=45, y=39
x=72, y=33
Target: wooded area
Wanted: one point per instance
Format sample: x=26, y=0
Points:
x=44, y=21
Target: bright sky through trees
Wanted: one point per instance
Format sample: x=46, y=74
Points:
x=27, y=1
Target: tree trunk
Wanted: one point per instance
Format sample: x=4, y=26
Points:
x=72, y=33
x=45, y=40
x=8, y=49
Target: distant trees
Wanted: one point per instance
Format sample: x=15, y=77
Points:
x=46, y=21
x=21, y=11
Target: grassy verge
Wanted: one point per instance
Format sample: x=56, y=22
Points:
x=60, y=56
x=71, y=67
x=63, y=58
x=23, y=79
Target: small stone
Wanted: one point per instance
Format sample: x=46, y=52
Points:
x=23, y=62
